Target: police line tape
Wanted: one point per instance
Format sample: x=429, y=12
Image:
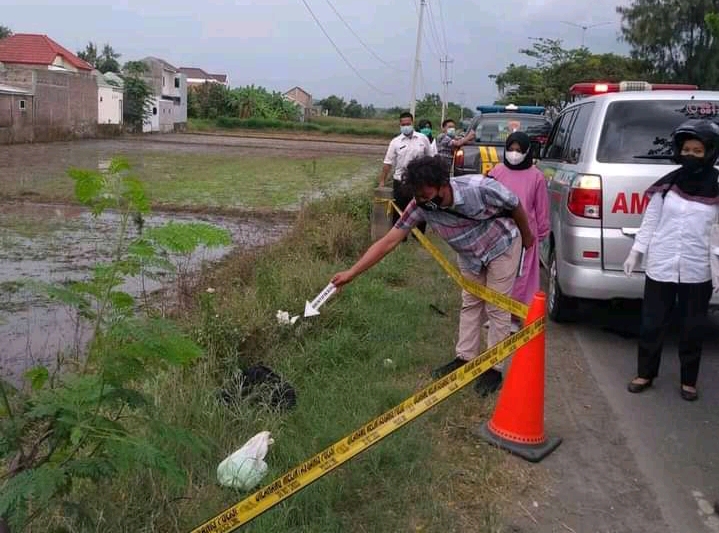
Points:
x=363, y=438
x=502, y=301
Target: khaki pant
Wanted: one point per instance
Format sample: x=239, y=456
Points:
x=499, y=275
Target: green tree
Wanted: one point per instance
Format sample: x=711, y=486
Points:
x=675, y=38
x=430, y=107
x=712, y=21
x=108, y=60
x=334, y=105
x=353, y=109
x=556, y=69
x=5, y=32
x=104, y=61
x=137, y=105
x=89, y=54
x=89, y=419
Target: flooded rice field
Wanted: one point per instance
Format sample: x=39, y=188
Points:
x=56, y=244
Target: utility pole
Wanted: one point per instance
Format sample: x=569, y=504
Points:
x=461, y=107
x=413, y=100
x=445, y=81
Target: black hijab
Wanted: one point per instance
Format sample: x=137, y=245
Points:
x=525, y=144
x=693, y=184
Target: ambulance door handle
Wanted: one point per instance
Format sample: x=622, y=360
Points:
x=631, y=232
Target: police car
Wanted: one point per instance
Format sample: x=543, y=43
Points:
x=603, y=152
x=490, y=129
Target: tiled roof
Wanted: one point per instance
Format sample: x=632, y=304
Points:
x=162, y=62
x=196, y=73
x=35, y=49
x=222, y=78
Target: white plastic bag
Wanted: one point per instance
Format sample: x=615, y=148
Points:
x=245, y=468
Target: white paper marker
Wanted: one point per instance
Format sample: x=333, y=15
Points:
x=312, y=308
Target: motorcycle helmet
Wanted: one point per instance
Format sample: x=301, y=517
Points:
x=705, y=131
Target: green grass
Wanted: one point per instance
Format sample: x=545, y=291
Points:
x=431, y=475
x=223, y=181
x=379, y=128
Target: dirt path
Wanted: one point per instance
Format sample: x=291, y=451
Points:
x=274, y=146
x=592, y=483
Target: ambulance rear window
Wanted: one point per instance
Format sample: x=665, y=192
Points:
x=637, y=131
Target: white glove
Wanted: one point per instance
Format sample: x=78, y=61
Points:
x=632, y=262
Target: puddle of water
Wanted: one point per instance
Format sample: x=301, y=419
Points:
x=61, y=243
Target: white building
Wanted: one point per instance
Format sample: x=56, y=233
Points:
x=169, y=102
x=109, y=98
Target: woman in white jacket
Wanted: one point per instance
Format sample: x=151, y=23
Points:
x=675, y=238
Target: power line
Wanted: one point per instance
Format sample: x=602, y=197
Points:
x=444, y=30
x=434, y=32
x=430, y=46
x=350, y=65
x=360, y=39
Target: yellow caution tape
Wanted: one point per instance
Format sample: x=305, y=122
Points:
x=483, y=292
x=371, y=433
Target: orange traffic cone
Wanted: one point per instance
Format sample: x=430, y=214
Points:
x=517, y=424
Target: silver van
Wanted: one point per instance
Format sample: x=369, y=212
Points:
x=601, y=156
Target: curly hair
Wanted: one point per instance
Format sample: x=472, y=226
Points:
x=425, y=171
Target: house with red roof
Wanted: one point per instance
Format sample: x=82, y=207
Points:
x=48, y=92
x=39, y=51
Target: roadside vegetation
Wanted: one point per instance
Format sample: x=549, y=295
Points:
x=140, y=449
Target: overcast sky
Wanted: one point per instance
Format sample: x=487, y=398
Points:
x=277, y=44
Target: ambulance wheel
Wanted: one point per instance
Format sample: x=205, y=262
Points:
x=560, y=308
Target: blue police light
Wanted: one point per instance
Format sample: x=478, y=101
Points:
x=526, y=109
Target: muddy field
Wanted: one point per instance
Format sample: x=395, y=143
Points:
x=58, y=242
x=29, y=163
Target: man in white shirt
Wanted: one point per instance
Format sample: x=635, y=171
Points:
x=408, y=145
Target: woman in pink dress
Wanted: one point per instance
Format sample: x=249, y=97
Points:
x=520, y=176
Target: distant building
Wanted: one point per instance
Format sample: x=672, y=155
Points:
x=48, y=93
x=197, y=76
x=31, y=50
x=169, y=103
x=109, y=96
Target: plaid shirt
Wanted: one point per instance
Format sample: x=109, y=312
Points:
x=477, y=241
x=445, y=148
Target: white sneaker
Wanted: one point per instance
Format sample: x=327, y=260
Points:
x=514, y=328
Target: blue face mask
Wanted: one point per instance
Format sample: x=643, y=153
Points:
x=451, y=132
x=406, y=130
x=426, y=131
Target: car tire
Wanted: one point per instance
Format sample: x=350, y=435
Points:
x=560, y=308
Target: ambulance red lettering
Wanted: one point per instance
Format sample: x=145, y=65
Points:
x=637, y=204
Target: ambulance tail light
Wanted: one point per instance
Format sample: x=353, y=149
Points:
x=585, y=196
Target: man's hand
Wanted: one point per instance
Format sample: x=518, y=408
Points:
x=342, y=278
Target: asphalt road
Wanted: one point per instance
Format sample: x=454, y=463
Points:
x=675, y=443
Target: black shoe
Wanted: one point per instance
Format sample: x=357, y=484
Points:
x=488, y=382
x=636, y=388
x=688, y=395
x=448, y=368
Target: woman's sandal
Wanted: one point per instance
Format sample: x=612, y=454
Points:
x=635, y=387
x=690, y=396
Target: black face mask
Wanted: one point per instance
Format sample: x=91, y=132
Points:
x=433, y=204
x=691, y=162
